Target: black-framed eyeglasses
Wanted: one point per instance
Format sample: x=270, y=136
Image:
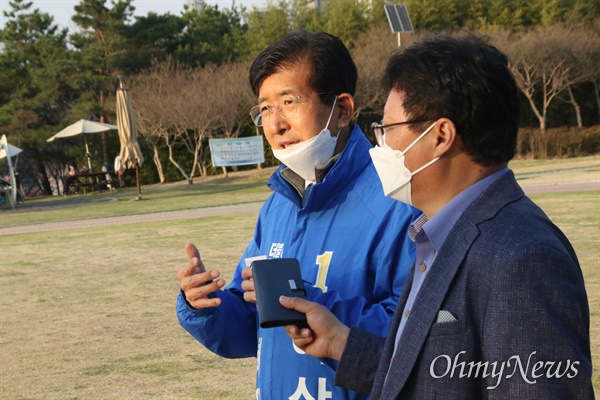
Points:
x=286, y=106
x=378, y=130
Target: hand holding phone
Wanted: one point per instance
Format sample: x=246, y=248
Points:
x=274, y=278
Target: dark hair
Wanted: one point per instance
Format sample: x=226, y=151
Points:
x=467, y=81
x=333, y=70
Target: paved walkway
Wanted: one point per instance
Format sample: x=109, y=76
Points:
x=560, y=187
x=233, y=209
x=129, y=219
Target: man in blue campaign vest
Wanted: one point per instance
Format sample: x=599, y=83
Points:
x=328, y=211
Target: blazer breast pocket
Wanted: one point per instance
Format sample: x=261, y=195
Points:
x=448, y=328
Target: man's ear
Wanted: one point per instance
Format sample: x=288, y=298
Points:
x=345, y=103
x=446, y=137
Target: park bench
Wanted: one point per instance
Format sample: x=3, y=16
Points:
x=95, y=181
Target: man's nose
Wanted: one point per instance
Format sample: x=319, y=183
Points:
x=277, y=124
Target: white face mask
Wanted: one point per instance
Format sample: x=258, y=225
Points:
x=304, y=156
x=395, y=177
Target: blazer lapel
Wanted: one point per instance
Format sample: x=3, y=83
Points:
x=425, y=309
x=388, y=348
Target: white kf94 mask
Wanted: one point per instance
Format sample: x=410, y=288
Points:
x=395, y=177
x=304, y=156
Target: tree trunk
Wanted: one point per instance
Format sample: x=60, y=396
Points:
x=42, y=175
x=597, y=91
x=159, y=168
x=176, y=164
x=543, y=143
x=576, y=106
x=541, y=117
x=533, y=145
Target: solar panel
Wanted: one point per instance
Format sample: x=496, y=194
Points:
x=398, y=18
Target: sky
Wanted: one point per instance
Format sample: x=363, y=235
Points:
x=62, y=10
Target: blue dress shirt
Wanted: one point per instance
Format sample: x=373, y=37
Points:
x=429, y=236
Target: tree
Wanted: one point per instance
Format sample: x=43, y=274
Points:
x=34, y=94
x=191, y=115
x=452, y=15
x=545, y=61
x=150, y=89
x=369, y=50
x=210, y=36
x=542, y=65
x=151, y=40
x=474, y=14
x=301, y=16
x=589, y=63
x=265, y=26
x=234, y=101
x=433, y=15
x=584, y=48
x=101, y=52
x=378, y=15
x=347, y=19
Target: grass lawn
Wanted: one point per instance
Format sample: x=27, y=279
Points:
x=90, y=313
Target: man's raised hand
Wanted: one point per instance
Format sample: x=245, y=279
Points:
x=197, y=283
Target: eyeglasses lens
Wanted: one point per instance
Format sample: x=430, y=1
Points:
x=286, y=106
x=377, y=131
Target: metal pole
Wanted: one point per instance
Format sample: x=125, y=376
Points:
x=259, y=165
x=87, y=153
x=12, y=190
x=137, y=179
x=399, y=40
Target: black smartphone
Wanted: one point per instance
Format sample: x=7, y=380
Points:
x=273, y=278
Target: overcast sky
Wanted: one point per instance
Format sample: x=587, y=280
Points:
x=62, y=10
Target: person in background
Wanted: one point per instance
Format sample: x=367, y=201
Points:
x=5, y=185
x=495, y=306
x=119, y=170
x=109, y=170
x=327, y=211
x=70, y=178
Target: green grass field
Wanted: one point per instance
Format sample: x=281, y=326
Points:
x=90, y=313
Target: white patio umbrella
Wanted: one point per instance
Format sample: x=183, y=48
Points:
x=12, y=150
x=8, y=151
x=83, y=127
x=131, y=155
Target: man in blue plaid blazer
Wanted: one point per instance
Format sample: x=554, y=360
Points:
x=495, y=306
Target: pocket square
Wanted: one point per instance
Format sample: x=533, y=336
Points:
x=444, y=316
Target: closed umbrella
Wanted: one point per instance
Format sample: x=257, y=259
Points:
x=131, y=155
x=8, y=151
x=83, y=127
